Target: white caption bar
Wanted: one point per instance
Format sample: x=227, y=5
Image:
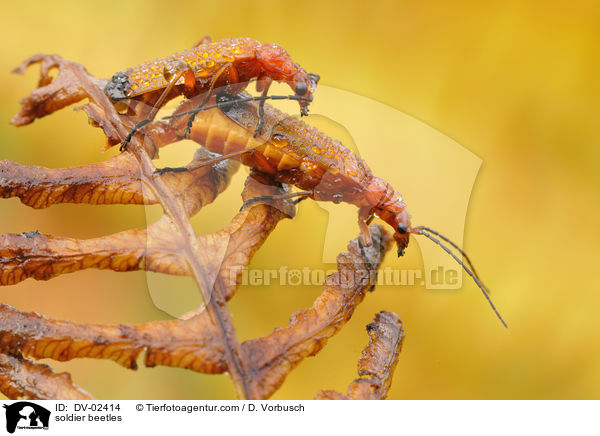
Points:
x=300, y=417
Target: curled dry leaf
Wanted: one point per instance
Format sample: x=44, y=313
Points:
x=275, y=355
x=52, y=94
x=115, y=181
x=72, y=84
x=204, y=340
x=21, y=378
x=377, y=363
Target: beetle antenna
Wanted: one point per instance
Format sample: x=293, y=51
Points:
x=225, y=101
x=460, y=250
x=421, y=231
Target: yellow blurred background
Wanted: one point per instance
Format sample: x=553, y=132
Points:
x=514, y=82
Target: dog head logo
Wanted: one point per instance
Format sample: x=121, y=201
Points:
x=26, y=415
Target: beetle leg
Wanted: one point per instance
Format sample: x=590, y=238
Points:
x=200, y=164
x=269, y=198
x=132, y=132
x=263, y=83
x=364, y=219
x=232, y=78
x=173, y=71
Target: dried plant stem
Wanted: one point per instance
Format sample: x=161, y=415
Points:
x=215, y=304
x=214, y=301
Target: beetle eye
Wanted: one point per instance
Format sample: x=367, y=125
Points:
x=301, y=88
x=402, y=228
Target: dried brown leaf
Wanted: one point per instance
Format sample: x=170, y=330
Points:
x=275, y=355
x=37, y=336
x=377, y=363
x=23, y=379
x=51, y=95
x=115, y=181
x=72, y=84
x=173, y=343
